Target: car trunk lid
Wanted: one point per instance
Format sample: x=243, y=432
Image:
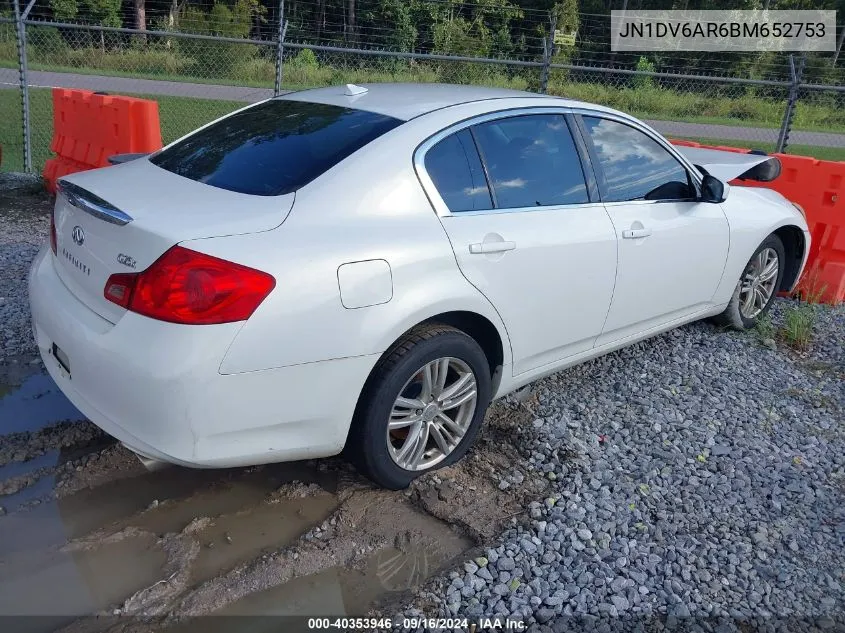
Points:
x=727, y=165
x=122, y=218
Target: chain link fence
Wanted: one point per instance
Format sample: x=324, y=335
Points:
x=200, y=61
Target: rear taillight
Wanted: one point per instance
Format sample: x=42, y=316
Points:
x=53, y=242
x=184, y=286
x=119, y=288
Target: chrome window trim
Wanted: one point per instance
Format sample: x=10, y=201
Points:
x=82, y=200
x=657, y=138
x=535, y=209
x=617, y=203
x=428, y=184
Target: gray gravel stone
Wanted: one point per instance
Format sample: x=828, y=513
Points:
x=484, y=573
x=585, y=534
x=681, y=611
x=22, y=232
x=696, y=473
x=505, y=564
x=620, y=602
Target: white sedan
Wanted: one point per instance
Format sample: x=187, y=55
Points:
x=363, y=269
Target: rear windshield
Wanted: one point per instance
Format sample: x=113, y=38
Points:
x=273, y=148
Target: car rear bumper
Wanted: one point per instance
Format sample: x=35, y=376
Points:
x=156, y=387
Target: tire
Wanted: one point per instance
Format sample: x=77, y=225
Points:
x=735, y=315
x=374, y=449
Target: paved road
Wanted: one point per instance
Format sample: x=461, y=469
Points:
x=712, y=130
x=40, y=79
x=125, y=85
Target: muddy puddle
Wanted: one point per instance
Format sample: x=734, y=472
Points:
x=33, y=404
x=342, y=591
x=89, y=552
x=75, y=583
x=85, y=530
x=158, y=502
x=335, y=592
x=236, y=538
x=350, y=591
x=310, y=538
x=31, y=408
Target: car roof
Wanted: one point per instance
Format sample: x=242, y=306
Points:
x=405, y=101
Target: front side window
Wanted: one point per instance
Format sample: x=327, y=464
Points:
x=456, y=171
x=273, y=148
x=635, y=166
x=531, y=161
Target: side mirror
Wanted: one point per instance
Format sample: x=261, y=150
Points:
x=712, y=189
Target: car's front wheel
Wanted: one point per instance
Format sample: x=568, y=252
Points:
x=422, y=407
x=757, y=286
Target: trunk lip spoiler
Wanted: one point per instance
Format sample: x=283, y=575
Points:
x=727, y=165
x=92, y=204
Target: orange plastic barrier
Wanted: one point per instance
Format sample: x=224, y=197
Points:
x=90, y=127
x=819, y=187
x=724, y=148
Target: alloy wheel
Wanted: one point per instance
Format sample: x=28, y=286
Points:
x=432, y=413
x=758, y=283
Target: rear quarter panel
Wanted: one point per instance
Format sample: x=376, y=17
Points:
x=369, y=207
x=753, y=214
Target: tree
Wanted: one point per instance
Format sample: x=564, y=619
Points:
x=461, y=28
x=350, y=22
x=64, y=10
x=103, y=12
x=140, y=7
x=400, y=15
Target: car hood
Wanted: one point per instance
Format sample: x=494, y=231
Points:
x=726, y=165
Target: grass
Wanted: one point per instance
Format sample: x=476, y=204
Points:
x=250, y=65
x=157, y=76
x=822, y=153
x=765, y=328
x=743, y=106
x=178, y=116
x=796, y=325
x=797, y=328
x=811, y=288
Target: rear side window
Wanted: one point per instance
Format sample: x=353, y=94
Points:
x=456, y=171
x=531, y=161
x=273, y=148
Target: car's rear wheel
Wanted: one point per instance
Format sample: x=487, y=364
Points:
x=757, y=286
x=422, y=407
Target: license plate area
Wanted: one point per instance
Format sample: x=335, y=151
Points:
x=61, y=358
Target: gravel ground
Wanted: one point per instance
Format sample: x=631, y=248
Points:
x=697, y=476
x=20, y=238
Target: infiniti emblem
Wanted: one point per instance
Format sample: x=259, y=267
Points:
x=78, y=235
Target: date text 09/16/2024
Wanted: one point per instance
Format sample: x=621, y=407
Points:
x=476, y=625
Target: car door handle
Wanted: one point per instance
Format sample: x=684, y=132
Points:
x=632, y=234
x=491, y=247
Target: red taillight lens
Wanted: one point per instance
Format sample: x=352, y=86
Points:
x=183, y=286
x=119, y=288
x=53, y=241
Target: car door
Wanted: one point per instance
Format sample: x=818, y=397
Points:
x=513, y=199
x=672, y=248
